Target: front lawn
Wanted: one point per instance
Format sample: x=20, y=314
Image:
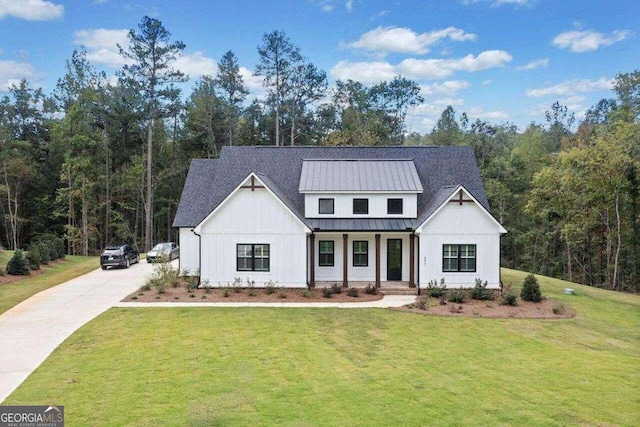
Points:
x=58, y=272
x=257, y=366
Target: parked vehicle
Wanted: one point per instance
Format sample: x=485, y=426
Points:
x=119, y=256
x=167, y=250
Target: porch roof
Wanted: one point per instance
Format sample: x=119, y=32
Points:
x=362, y=224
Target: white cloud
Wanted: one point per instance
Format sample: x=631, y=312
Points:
x=448, y=87
x=11, y=72
x=486, y=83
x=196, y=64
x=102, y=45
x=102, y=48
x=31, y=10
x=479, y=113
x=589, y=40
x=326, y=7
x=365, y=72
x=373, y=72
x=571, y=88
x=445, y=102
x=536, y=63
x=349, y=5
x=405, y=40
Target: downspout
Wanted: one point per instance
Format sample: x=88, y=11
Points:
x=418, y=273
x=199, y=256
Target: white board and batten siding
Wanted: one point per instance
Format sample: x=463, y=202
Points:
x=343, y=205
x=460, y=224
x=254, y=217
x=189, y=252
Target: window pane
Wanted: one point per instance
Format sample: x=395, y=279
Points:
x=360, y=206
x=244, y=264
x=326, y=246
x=244, y=250
x=325, y=206
x=394, y=206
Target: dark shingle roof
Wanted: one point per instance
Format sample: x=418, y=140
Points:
x=209, y=182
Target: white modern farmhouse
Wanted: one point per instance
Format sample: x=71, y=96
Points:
x=315, y=216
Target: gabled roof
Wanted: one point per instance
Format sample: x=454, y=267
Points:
x=195, y=202
x=444, y=196
x=209, y=182
x=270, y=186
x=359, y=175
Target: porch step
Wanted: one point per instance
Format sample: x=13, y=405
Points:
x=404, y=291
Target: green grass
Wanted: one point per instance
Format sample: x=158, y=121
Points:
x=73, y=266
x=5, y=256
x=212, y=366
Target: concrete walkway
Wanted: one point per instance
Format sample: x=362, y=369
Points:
x=386, y=302
x=30, y=331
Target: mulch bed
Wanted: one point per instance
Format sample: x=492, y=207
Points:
x=8, y=278
x=180, y=294
x=476, y=308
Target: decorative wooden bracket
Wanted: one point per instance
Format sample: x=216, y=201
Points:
x=460, y=199
x=253, y=185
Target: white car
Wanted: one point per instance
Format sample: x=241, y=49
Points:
x=167, y=250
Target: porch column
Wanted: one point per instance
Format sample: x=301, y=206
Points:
x=345, y=260
x=312, y=260
x=377, y=260
x=412, y=261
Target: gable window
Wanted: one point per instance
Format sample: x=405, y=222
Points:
x=325, y=206
x=360, y=206
x=394, y=206
x=360, y=253
x=325, y=253
x=252, y=257
x=459, y=258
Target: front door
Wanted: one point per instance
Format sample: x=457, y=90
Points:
x=394, y=259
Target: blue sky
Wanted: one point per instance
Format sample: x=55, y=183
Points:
x=501, y=60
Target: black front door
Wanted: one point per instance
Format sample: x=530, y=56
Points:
x=394, y=259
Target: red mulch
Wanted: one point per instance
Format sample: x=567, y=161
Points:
x=476, y=308
x=180, y=294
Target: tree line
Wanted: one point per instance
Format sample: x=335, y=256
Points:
x=100, y=161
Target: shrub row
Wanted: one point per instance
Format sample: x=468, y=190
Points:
x=41, y=251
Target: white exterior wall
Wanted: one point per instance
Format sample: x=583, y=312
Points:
x=456, y=224
x=343, y=205
x=189, y=251
x=254, y=217
x=359, y=274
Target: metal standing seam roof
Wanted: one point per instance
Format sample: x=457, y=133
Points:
x=359, y=175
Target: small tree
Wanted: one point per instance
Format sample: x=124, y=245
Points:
x=18, y=264
x=34, y=258
x=531, y=289
x=45, y=253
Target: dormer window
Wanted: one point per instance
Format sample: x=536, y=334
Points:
x=360, y=206
x=394, y=206
x=325, y=206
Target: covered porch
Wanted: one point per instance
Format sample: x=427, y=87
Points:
x=359, y=258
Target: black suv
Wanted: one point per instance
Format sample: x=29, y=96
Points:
x=119, y=256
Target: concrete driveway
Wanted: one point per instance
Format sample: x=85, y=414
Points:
x=30, y=331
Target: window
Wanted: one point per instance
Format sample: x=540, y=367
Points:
x=325, y=253
x=460, y=258
x=252, y=257
x=394, y=206
x=360, y=253
x=360, y=206
x=325, y=206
